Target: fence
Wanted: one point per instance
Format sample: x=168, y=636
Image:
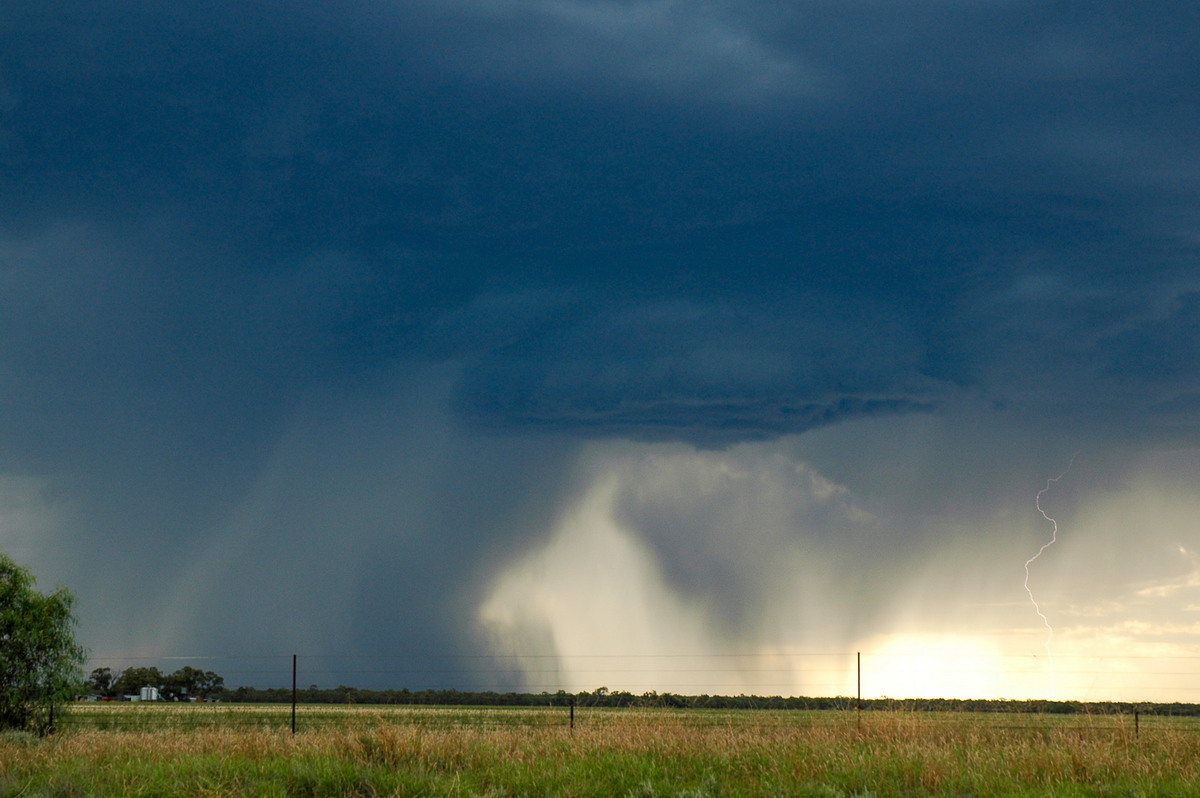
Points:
x=569, y=719
x=546, y=687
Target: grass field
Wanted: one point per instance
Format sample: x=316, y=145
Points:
x=217, y=750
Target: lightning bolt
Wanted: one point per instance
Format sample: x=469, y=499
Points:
x=1053, y=539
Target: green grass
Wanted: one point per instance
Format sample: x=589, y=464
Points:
x=223, y=750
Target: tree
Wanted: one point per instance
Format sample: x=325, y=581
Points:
x=103, y=682
x=134, y=679
x=190, y=683
x=41, y=665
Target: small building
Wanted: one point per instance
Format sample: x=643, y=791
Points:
x=148, y=694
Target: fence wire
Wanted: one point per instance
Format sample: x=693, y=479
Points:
x=154, y=718
x=792, y=690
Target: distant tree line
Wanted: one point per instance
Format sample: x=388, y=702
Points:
x=185, y=684
x=602, y=697
x=189, y=683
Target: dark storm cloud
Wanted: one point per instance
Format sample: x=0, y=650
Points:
x=702, y=370
x=707, y=222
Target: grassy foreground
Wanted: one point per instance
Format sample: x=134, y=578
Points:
x=182, y=751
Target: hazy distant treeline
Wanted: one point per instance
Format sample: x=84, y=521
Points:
x=603, y=698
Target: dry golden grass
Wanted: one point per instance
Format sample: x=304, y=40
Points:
x=615, y=752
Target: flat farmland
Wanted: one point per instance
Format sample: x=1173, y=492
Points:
x=227, y=749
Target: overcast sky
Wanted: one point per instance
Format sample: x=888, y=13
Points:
x=556, y=328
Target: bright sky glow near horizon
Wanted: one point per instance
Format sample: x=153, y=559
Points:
x=648, y=344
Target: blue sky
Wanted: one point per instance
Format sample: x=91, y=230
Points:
x=320, y=323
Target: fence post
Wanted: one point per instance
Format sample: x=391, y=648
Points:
x=293, y=694
x=858, y=662
x=572, y=714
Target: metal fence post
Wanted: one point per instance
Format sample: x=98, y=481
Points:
x=858, y=664
x=293, y=694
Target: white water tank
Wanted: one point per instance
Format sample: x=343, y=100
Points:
x=149, y=694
